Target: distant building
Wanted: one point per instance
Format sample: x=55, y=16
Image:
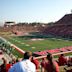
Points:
x=9, y=23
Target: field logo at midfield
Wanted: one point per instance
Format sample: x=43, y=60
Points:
x=35, y=39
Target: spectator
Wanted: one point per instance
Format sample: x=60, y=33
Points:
x=71, y=59
x=25, y=65
x=13, y=61
x=36, y=62
x=43, y=63
x=69, y=62
x=62, y=60
x=8, y=66
x=3, y=66
x=51, y=65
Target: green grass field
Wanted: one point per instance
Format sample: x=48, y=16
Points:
x=39, y=45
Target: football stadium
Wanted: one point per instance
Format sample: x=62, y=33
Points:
x=39, y=38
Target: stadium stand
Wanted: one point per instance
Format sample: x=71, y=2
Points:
x=62, y=27
x=66, y=19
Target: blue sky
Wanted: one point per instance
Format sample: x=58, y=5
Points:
x=34, y=10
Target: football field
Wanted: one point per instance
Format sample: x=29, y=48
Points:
x=38, y=44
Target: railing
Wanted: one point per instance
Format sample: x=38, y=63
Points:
x=40, y=57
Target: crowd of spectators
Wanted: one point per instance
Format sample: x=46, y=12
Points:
x=30, y=64
x=59, y=30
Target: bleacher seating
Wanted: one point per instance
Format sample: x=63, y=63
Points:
x=54, y=51
x=63, y=27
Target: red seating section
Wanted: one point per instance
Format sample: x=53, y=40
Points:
x=53, y=51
